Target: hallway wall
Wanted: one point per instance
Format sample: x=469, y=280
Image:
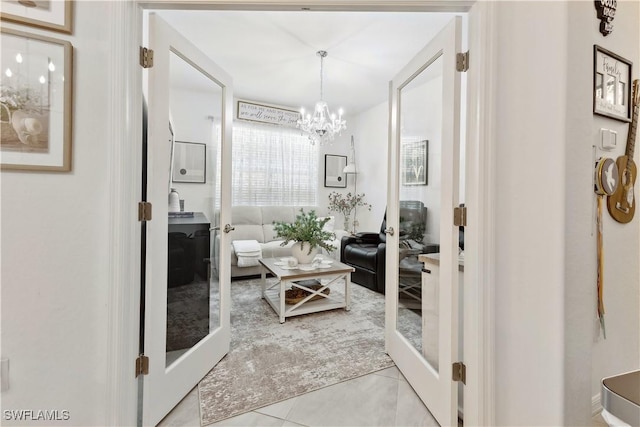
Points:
x=55, y=250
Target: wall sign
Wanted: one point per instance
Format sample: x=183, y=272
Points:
x=267, y=114
x=611, y=85
x=606, y=11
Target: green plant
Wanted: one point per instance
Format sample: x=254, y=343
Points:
x=306, y=228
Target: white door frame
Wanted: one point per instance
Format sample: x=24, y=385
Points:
x=125, y=159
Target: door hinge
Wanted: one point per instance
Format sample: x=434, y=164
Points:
x=142, y=365
x=146, y=57
x=144, y=211
x=459, y=372
x=462, y=61
x=460, y=216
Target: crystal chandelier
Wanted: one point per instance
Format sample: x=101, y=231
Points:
x=323, y=125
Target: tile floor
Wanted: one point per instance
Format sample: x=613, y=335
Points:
x=383, y=398
x=362, y=401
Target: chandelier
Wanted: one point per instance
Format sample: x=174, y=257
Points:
x=323, y=125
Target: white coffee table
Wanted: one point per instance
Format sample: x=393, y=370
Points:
x=288, y=278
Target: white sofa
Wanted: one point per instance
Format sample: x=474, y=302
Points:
x=256, y=223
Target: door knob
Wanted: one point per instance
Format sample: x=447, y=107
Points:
x=228, y=228
x=389, y=231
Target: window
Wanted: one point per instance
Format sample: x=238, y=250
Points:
x=273, y=166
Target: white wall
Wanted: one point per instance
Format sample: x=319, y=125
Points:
x=549, y=358
x=529, y=212
x=55, y=252
x=587, y=350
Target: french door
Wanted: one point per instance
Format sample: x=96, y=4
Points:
x=422, y=310
x=186, y=315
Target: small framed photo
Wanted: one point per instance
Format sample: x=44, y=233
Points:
x=611, y=85
x=415, y=165
x=190, y=162
x=35, y=102
x=47, y=14
x=334, y=175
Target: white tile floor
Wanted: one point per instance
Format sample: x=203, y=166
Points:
x=383, y=398
x=362, y=401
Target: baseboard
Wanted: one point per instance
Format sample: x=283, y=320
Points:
x=596, y=406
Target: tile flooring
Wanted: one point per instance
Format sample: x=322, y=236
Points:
x=383, y=398
x=359, y=402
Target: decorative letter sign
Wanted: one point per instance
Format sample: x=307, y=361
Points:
x=606, y=11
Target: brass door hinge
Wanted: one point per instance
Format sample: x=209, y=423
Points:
x=142, y=365
x=144, y=211
x=460, y=216
x=146, y=57
x=459, y=372
x=462, y=61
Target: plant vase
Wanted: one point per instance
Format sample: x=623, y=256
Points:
x=300, y=251
x=347, y=222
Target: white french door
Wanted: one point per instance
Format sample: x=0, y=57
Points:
x=422, y=314
x=187, y=323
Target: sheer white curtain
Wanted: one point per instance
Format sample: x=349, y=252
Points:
x=273, y=166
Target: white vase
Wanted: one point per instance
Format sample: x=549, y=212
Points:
x=174, y=201
x=300, y=251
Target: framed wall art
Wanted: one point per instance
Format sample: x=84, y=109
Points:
x=611, y=85
x=190, y=162
x=333, y=171
x=35, y=102
x=53, y=15
x=270, y=114
x=414, y=158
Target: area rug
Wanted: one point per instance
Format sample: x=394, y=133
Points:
x=270, y=362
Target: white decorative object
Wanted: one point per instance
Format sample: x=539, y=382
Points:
x=323, y=125
x=300, y=251
x=174, y=201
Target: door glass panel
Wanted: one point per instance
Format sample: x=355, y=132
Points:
x=420, y=102
x=193, y=288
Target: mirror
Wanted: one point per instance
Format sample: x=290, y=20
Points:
x=193, y=288
x=419, y=207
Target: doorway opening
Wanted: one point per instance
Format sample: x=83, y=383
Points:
x=370, y=121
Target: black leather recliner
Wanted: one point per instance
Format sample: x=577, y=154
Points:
x=366, y=253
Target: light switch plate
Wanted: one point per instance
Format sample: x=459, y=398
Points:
x=608, y=139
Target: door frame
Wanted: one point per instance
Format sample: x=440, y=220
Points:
x=125, y=123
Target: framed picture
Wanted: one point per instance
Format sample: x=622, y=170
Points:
x=190, y=162
x=35, y=102
x=48, y=14
x=333, y=171
x=611, y=85
x=415, y=166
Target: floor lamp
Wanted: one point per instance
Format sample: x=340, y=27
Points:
x=350, y=169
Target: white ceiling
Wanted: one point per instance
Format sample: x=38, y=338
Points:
x=272, y=55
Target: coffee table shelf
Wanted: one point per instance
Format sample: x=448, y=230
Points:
x=336, y=274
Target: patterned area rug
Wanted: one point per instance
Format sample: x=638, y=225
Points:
x=270, y=362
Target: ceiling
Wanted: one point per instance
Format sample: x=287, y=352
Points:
x=272, y=55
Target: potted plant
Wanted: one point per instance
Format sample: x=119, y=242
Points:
x=308, y=233
x=345, y=204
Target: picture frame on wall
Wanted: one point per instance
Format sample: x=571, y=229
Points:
x=55, y=15
x=36, y=102
x=333, y=171
x=611, y=85
x=190, y=162
x=415, y=162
